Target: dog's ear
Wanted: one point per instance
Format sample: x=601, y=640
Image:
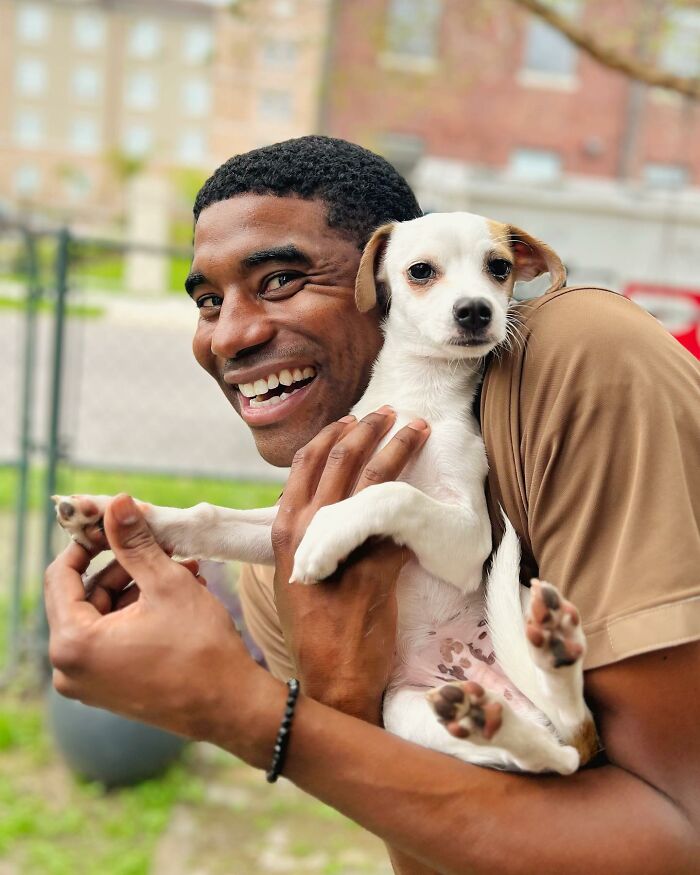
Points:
x=533, y=257
x=366, y=282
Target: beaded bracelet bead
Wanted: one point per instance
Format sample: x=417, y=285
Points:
x=282, y=740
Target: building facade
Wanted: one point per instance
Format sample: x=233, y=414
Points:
x=487, y=109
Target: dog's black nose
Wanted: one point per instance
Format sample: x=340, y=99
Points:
x=472, y=314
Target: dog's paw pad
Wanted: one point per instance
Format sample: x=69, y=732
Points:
x=553, y=627
x=79, y=513
x=466, y=710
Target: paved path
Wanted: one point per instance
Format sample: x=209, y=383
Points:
x=133, y=394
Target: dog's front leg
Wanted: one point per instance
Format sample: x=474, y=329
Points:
x=450, y=541
x=203, y=531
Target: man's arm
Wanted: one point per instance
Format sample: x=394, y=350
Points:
x=640, y=813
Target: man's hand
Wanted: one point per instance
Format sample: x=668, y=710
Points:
x=341, y=632
x=162, y=649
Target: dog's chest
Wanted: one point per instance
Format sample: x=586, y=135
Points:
x=452, y=465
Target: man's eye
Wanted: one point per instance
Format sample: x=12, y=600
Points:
x=499, y=268
x=278, y=281
x=209, y=302
x=421, y=271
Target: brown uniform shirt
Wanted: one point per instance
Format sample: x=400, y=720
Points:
x=592, y=431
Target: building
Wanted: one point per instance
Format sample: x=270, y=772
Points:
x=105, y=92
x=488, y=109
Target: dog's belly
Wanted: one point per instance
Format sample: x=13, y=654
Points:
x=444, y=636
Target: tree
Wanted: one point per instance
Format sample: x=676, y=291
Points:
x=633, y=64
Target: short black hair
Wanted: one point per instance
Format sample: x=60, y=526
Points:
x=361, y=189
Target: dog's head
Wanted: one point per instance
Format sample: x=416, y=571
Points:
x=449, y=278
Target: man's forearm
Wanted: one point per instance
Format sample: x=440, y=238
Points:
x=459, y=818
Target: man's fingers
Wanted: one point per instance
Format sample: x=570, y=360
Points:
x=390, y=461
x=349, y=455
x=64, y=593
x=309, y=463
x=133, y=543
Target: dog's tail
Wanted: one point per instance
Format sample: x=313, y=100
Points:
x=504, y=611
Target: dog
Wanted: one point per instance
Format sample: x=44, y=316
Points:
x=488, y=672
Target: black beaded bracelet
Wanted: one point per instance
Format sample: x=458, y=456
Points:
x=282, y=740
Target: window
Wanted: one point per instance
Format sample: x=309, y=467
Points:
x=279, y=53
x=76, y=183
x=87, y=83
x=275, y=106
x=284, y=8
x=680, y=53
x=196, y=97
x=33, y=22
x=412, y=28
x=85, y=136
x=28, y=129
x=197, y=45
x=666, y=175
x=137, y=140
x=144, y=39
x=89, y=31
x=27, y=180
x=192, y=148
x=535, y=165
x=547, y=51
x=30, y=77
x=141, y=91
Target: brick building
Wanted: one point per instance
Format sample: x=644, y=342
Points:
x=487, y=109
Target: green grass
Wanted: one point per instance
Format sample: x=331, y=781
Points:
x=52, y=824
x=80, y=310
x=156, y=488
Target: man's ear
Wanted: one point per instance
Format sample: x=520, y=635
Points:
x=533, y=257
x=366, y=282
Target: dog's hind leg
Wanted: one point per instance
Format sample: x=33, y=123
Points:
x=476, y=726
x=203, y=531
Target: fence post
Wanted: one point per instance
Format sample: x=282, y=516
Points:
x=34, y=293
x=53, y=438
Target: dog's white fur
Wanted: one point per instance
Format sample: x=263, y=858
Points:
x=437, y=508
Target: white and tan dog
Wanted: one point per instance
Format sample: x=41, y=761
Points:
x=506, y=681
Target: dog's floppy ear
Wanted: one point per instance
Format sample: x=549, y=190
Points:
x=366, y=283
x=533, y=257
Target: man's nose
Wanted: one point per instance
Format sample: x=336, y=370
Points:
x=472, y=314
x=242, y=323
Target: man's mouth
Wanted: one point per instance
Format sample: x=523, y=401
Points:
x=276, y=388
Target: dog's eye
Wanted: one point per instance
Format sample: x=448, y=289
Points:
x=421, y=271
x=499, y=268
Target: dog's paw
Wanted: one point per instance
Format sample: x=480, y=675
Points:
x=78, y=514
x=553, y=628
x=466, y=710
x=328, y=541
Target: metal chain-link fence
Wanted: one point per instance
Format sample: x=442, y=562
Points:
x=100, y=393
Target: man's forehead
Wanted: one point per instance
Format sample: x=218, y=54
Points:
x=255, y=215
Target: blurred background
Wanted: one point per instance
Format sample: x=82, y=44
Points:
x=576, y=119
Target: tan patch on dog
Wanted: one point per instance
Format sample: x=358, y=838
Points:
x=500, y=234
x=532, y=257
x=366, y=281
x=586, y=741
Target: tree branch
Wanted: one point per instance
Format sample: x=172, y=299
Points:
x=607, y=56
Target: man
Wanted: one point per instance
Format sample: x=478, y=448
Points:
x=591, y=429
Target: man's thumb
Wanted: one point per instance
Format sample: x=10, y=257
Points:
x=130, y=538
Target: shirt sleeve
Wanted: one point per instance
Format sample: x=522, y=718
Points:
x=256, y=591
x=607, y=422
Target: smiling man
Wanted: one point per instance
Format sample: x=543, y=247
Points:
x=591, y=427
x=278, y=328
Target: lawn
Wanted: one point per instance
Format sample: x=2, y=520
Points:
x=209, y=814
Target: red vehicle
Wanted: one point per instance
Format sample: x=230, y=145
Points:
x=676, y=308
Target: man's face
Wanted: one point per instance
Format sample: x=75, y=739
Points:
x=275, y=290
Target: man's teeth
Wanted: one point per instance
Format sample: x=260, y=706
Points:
x=284, y=378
